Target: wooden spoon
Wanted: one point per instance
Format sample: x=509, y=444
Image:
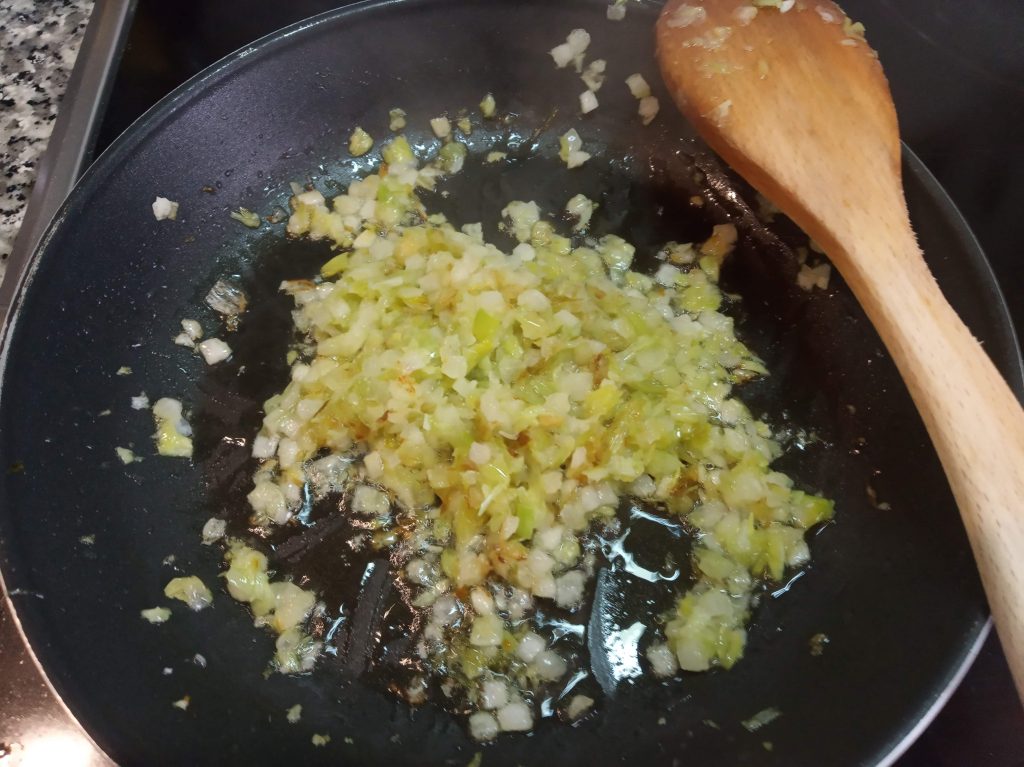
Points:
x=796, y=102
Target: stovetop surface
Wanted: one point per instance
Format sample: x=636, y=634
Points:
x=957, y=76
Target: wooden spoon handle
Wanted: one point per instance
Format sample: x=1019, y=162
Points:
x=973, y=418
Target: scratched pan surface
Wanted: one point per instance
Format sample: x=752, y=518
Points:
x=894, y=590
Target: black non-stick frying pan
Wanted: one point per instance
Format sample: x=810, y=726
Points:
x=892, y=585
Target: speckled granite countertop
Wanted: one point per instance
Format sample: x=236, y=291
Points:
x=39, y=41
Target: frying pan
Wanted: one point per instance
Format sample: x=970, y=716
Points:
x=892, y=585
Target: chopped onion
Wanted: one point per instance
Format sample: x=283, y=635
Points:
x=370, y=501
x=515, y=717
x=530, y=646
x=493, y=694
x=638, y=86
x=562, y=54
x=156, y=614
x=172, y=430
x=745, y=14
x=582, y=208
x=396, y=119
x=246, y=217
x=648, y=109
x=214, y=350
x=193, y=329
x=486, y=631
x=578, y=706
x=593, y=75
x=687, y=16
x=164, y=209
x=569, y=589
x=663, y=660
x=360, y=142
x=227, y=299
x=483, y=726
x=488, y=106
x=810, y=277
x=576, y=159
x=214, y=530
x=191, y=591
x=441, y=126
x=588, y=102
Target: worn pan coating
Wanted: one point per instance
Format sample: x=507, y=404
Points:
x=894, y=590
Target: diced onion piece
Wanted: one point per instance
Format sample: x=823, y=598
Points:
x=638, y=86
x=396, y=119
x=213, y=530
x=125, y=455
x=370, y=501
x=616, y=11
x=191, y=591
x=193, y=329
x=441, y=126
x=522, y=216
x=141, y=402
x=374, y=465
x=264, y=446
x=228, y=299
x=246, y=217
x=479, y=453
x=569, y=142
x=582, y=209
x=576, y=159
x=172, y=431
x=761, y=718
x=214, y=350
x=745, y=14
x=268, y=503
x=687, y=16
x=578, y=41
x=663, y=660
x=494, y=694
x=488, y=106
x=360, y=142
x=578, y=706
x=482, y=601
x=156, y=614
x=483, y=726
x=720, y=113
x=515, y=717
x=593, y=75
x=530, y=646
x=569, y=589
x=648, y=109
x=294, y=714
x=486, y=631
x=164, y=209
x=562, y=54
x=588, y=102
x=811, y=277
